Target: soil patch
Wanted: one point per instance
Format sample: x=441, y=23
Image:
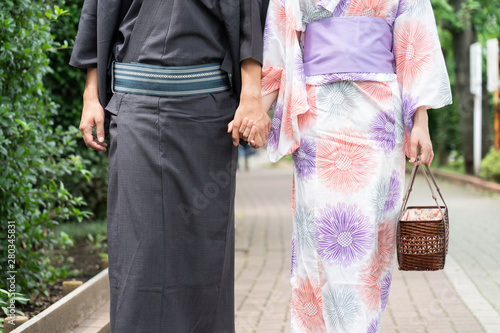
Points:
x=84, y=263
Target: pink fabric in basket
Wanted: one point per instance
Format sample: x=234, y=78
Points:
x=419, y=214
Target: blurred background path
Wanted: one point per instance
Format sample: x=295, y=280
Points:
x=465, y=297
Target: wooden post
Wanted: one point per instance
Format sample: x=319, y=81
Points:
x=69, y=286
x=8, y=327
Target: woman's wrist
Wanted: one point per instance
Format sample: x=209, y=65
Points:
x=420, y=118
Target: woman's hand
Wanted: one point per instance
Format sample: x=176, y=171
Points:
x=420, y=137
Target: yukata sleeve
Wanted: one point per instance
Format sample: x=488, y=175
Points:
x=84, y=53
x=283, y=70
x=420, y=65
x=252, y=17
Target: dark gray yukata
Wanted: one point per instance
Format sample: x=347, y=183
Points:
x=171, y=163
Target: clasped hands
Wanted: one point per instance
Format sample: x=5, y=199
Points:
x=251, y=122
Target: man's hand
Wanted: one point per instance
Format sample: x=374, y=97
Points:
x=420, y=138
x=251, y=122
x=92, y=114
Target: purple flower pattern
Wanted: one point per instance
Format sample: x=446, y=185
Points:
x=274, y=134
x=304, y=158
x=266, y=39
x=393, y=193
x=343, y=234
x=409, y=107
x=383, y=129
x=386, y=195
x=384, y=290
x=341, y=8
x=373, y=328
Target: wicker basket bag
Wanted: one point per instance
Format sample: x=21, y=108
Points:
x=423, y=231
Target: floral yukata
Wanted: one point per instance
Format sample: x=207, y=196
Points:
x=348, y=133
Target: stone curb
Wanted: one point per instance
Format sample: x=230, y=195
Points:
x=72, y=309
x=461, y=179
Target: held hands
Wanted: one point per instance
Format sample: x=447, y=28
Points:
x=251, y=122
x=420, y=138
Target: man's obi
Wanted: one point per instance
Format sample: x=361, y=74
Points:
x=348, y=45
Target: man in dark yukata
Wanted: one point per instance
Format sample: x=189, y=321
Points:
x=169, y=76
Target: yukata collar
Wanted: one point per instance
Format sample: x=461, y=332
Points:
x=328, y=4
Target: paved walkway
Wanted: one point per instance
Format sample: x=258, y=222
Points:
x=463, y=298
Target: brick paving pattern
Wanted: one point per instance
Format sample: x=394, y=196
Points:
x=419, y=301
x=465, y=297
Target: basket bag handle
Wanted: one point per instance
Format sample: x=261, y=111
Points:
x=410, y=187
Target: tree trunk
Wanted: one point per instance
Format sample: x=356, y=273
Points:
x=464, y=99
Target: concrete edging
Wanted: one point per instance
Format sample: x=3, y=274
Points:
x=71, y=310
x=461, y=179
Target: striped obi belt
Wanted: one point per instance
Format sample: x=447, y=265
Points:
x=348, y=45
x=143, y=79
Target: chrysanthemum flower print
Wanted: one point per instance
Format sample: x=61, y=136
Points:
x=373, y=8
x=384, y=290
x=373, y=328
x=295, y=105
x=345, y=161
x=338, y=99
x=274, y=134
x=311, y=12
x=343, y=234
x=383, y=130
x=307, y=119
x=272, y=77
x=285, y=22
x=293, y=270
x=386, y=195
x=386, y=243
x=409, y=105
x=413, y=50
x=305, y=229
x=342, y=307
x=341, y=8
x=304, y=159
x=307, y=306
x=380, y=92
x=369, y=283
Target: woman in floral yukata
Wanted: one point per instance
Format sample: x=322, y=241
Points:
x=352, y=81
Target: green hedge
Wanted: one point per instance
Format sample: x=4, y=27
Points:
x=35, y=154
x=490, y=166
x=65, y=86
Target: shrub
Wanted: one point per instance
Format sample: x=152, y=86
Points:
x=65, y=85
x=490, y=166
x=34, y=155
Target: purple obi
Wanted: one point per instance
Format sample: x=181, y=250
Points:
x=348, y=45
